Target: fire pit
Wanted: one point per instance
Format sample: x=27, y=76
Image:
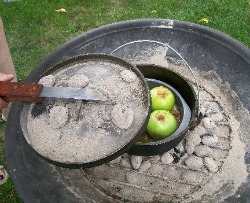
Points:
x=222, y=66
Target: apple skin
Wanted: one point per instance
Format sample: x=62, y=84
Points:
x=161, y=124
x=162, y=99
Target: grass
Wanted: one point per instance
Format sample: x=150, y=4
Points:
x=34, y=29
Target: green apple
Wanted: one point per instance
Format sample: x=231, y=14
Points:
x=162, y=98
x=161, y=124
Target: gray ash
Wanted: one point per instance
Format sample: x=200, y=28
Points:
x=183, y=174
x=40, y=108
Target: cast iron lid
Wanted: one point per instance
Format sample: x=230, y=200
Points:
x=84, y=133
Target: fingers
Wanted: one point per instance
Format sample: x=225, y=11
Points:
x=5, y=112
x=6, y=78
x=3, y=104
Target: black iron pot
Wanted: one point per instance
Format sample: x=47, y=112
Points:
x=186, y=101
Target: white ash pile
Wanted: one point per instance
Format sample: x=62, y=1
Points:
x=195, y=169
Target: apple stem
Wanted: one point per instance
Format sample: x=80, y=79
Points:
x=162, y=93
x=160, y=117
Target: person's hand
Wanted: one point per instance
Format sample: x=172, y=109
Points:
x=5, y=106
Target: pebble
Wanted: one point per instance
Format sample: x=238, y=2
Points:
x=215, y=114
x=145, y=166
x=125, y=163
x=171, y=151
x=203, y=151
x=172, y=173
x=155, y=158
x=128, y=76
x=194, y=162
x=194, y=136
x=210, y=164
x=167, y=158
x=58, y=116
x=116, y=161
x=191, y=177
x=221, y=131
x=136, y=161
x=78, y=81
x=180, y=147
x=156, y=169
x=47, y=80
x=199, y=130
x=210, y=140
x=208, y=123
x=182, y=159
x=130, y=177
x=189, y=147
x=125, y=156
x=122, y=116
x=193, y=139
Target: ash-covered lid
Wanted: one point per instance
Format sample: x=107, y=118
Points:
x=89, y=133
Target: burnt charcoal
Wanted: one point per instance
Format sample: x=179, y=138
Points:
x=176, y=158
x=176, y=150
x=41, y=107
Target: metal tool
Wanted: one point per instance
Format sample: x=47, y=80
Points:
x=33, y=92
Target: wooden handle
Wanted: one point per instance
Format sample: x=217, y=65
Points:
x=20, y=91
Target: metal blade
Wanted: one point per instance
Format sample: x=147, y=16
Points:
x=72, y=93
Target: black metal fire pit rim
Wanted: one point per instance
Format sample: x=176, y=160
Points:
x=219, y=36
x=27, y=169
x=66, y=49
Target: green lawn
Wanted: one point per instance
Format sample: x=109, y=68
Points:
x=34, y=29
